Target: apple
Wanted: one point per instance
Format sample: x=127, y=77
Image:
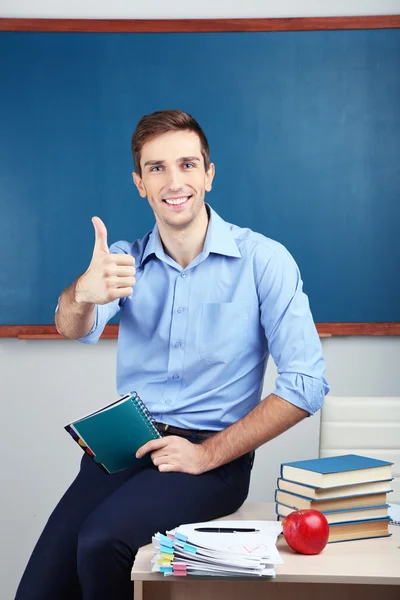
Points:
x=306, y=531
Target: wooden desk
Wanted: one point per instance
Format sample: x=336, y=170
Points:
x=373, y=565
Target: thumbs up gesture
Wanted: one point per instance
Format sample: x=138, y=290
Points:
x=109, y=276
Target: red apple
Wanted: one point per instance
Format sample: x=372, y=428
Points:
x=306, y=531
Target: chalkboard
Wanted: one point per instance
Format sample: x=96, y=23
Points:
x=304, y=129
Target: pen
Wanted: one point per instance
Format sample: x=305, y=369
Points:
x=226, y=530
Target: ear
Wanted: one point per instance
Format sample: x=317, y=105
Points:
x=137, y=180
x=209, y=177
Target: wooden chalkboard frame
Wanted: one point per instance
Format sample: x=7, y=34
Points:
x=202, y=26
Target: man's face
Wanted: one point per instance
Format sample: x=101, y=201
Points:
x=173, y=178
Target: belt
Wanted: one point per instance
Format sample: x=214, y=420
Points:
x=172, y=430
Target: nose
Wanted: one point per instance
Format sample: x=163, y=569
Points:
x=175, y=181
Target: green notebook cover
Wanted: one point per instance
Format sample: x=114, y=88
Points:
x=113, y=434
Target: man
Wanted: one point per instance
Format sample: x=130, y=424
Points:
x=202, y=303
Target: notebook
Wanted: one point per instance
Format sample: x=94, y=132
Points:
x=113, y=434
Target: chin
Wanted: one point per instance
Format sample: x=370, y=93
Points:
x=179, y=221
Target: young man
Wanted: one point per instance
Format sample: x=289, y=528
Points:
x=202, y=303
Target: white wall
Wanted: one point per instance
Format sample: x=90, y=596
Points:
x=180, y=9
x=45, y=384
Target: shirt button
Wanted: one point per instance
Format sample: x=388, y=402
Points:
x=178, y=345
x=168, y=401
x=175, y=376
x=183, y=274
x=180, y=309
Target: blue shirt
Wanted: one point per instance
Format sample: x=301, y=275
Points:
x=194, y=342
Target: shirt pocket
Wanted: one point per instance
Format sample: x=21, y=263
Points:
x=223, y=330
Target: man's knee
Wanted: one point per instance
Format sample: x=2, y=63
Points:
x=100, y=548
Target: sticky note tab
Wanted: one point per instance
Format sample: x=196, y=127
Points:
x=167, y=556
x=166, y=541
x=180, y=536
x=166, y=549
x=165, y=569
x=189, y=548
x=180, y=572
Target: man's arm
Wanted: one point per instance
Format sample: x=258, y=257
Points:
x=74, y=319
x=296, y=349
x=108, y=277
x=266, y=421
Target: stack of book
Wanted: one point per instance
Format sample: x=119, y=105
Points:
x=219, y=548
x=350, y=490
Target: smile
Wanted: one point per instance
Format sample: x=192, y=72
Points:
x=177, y=201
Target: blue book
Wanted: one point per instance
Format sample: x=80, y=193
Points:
x=356, y=530
x=112, y=435
x=343, y=516
x=316, y=494
x=334, y=471
x=330, y=504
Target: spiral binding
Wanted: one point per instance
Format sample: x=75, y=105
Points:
x=147, y=416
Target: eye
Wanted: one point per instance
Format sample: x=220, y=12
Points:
x=156, y=167
x=189, y=166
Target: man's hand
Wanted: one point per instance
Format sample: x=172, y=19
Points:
x=109, y=276
x=173, y=453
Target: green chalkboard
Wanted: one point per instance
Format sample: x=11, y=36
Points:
x=304, y=129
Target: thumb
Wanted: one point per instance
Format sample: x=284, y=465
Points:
x=100, y=244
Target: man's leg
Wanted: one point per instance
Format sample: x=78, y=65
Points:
x=149, y=502
x=51, y=573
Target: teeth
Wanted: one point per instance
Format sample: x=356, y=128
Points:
x=176, y=200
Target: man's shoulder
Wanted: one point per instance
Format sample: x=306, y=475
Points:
x=256, y=244
x=270, y=260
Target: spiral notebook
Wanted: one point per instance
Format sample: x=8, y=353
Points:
x=113, y=434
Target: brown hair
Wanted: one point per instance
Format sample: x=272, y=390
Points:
x=160, y=122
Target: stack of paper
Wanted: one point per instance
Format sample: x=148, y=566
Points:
x=227, y=550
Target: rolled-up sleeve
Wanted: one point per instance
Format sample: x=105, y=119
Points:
x=104, y=312
x=293, y=341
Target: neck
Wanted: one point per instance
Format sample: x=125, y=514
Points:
x=183, y=245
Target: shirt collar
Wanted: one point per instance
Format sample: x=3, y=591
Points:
x=219, y=240
x=153, y=246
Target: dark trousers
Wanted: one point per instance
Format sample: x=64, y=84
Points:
x=89, y=543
